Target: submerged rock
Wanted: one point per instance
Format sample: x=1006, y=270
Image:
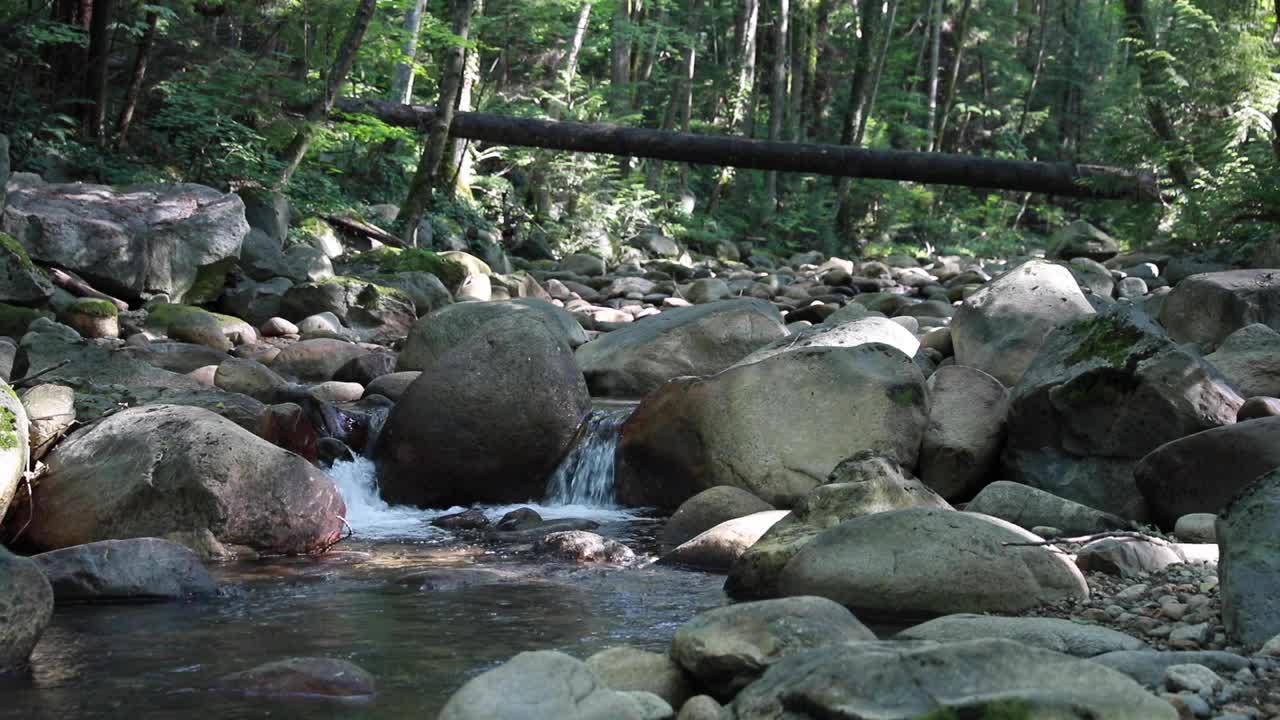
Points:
x=584, y=547
x=115, y=570
x=304, y=677
x=26, y=605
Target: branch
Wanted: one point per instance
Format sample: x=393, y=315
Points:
x=1083, y=539
x=79, y=287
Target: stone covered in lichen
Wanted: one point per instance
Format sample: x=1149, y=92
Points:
x=93, y=318
x=21, y=281
x=14, y=433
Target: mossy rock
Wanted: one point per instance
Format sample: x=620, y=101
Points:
x=15, y=320
x=160, y=317
x=19, y=253
x=450, y=272
x=210, y=282
x=1106, y=338
x=93, y=307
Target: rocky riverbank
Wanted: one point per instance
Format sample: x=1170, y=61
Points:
x=1056, y=475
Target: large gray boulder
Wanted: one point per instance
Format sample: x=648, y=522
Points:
x=1000, y=328
x=1082, y=239
x=488, y=422
x=137, y=569
x=861, y=485
x=548, y=685
x=1029, y=507
x=985, y=678
x=850, y=334
x=1064, y=636
x=377, y=313
x=26, y=606
x=1200, y=473
x=1250, y=359
x=632, y=670
x=916, y=562
x=699, y=340
x=719, y=548
x=437, y=333
x=21, y=282
x=1103, y=392
x=172, y=239
x=15, y=444
x=1208, y=307
x=726, y=649
x=967, y=410
x=775, y=428
x=1249, y=562
x=708, y=509
x=167, y=470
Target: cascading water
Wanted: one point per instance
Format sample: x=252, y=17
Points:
x=585, y=476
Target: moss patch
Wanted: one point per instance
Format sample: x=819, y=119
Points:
x=417, y=260
x=1104, y=338
x=314, y=227
x=209, y=282
x=15, y=320
x=14, y=248
x=906, y=395
x=9, y=438
x=93, y=307
x=164, y=315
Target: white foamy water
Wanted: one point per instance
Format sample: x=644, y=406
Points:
x=371, y=518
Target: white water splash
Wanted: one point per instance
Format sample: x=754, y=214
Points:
x=585, y=476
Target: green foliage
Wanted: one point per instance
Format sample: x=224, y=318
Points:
x=94, y=308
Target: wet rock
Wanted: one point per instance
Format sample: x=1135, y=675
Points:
x=1250, y=359
x=1064, y=636
x=699, y=340
x=1248, y=532
x=439, y=332
x=850, y=334
x=775, y=428
x=1200, y=473
x=1196, y=528
x=966, y=429
x=719, y=548
x=629, y=669
x=1103, y=392
x=548, y=685
x=519, y=519
x=488, y=423
x=158, y=469
x=337, y=392
x=366, y=368
x=138, y=569
x=1029, y=507
x=1000, y=328
x=315, y=360
x=1208, y=307
x=331, y=450
x=26, y=606
x=306, y=677
x=392, y=385
x=1081, y=239
x=288, y=426
x=708, y=509
x=473, y=519
x=887, y=681
x=448, y=579
x=537, y=531
x=1258, y=407
x=584, y=547
x=927, y=562
x=861, y=485
x=375, y=313
x=728, y=648
x=1127, y=557
x=1148, y=666
x=51, y=410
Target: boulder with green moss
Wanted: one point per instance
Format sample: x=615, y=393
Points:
x=318, y=234
x=451, y=272
x=15, y=320
x=128, y=242
x=92, y=318
x=377, y=313
x=1103, y=392
x=1082, y=239
x=14, y=444
x=20, y=280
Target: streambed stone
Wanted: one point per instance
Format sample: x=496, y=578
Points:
x=139, y=569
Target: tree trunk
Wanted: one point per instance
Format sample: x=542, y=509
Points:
x=799, y=67
x=620, y=58
x=834, y=160
x=1035, y=72
x=820, y=82
x=953, y=71
x=878, y=73
x=744, y=84
x=460, y=160
x=342, y=62
x=427, y=179
x=1150, y=71
x=687, y=74
x=402, y=79
x=855, y=111
x=778, y=95
x=935, y=45
x=95, y=85
x=136, y=78
x=575, y=47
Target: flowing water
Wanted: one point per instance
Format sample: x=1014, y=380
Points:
x=359, y=603
x=585, y=476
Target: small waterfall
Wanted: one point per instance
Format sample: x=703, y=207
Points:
x=585, y=476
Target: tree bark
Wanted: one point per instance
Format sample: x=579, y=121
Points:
x=778, y=94
x=575, y=47
x=820, y=83
x=878, y=73
x=953, y=71
x=342, y=62
x=799, y=67
x=402, y=79
x=620, y=58
x=1035, y=72
x=1149, y=72
x=95, y=86
x=744, y=84
x=460, y=160
x=427, y=179
x=1066, y=179
x=136, y=79
x=935, y=45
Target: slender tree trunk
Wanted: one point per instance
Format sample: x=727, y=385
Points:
x=620, y=58
x=878, y=73
x=427, y=178
x=854, y=121
x=689, y=67
x=820, y=82
x=460, y=160
x=740, y=103
x=402, y=78
x=778, y=96
x=575, y=47
x=342, y=62
x=953, y=71
x=1035, y=71
x=1150, y=71
x=799, y=67
x=95, y=87
x=935, y=45
x=136, y=79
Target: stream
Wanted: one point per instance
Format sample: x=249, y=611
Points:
x=420, y=641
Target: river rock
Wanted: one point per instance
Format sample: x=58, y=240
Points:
x=426, y=291
x=775, y=428
x=308, y=677
x=375, y=312
x=26, y=606
x=1200, y=473
x=984, y=677
x=176, y=239
x=15, y=445
x=51, y=410
x=249, y=377
x=1064, y=636
x=316, y=360
x=928, y=562
x=1208, y=307
x=1000, y=328
x=626, y=668
x=699, y=340
x=1128, y=556
x=584, y=547
x=1148, y=666
x=701, y=707
x=1028, y=507
x=488, y=423
x=861, y=485
x=708, y=509
x=728, y=648
x=473, y=519
x=1250, y=359
x=21, y=281
x=850, y=334
x=583, y=264
x=367, y=368
x=1196, y=528
x=392, y=385
x=1081, y=239
x=1103, y=392
x=160, y=469
x=117, y=570
x=1248, y=532
x=966, y=429
x=548, y=685
x=439, y=332
x=1093, y=276
x=719, y=548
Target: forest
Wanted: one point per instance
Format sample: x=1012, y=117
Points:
x=243, y=94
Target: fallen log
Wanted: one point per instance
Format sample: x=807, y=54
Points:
x=76, y=286
x=1051, y=178
x=363, y=229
